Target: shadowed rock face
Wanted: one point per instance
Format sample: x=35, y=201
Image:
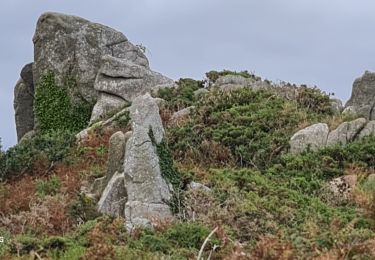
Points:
x=362, y=100
x=24, y=102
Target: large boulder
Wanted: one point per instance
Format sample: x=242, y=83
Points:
x=72, y=48
x=148, y=192
x=362, y=99
x=313, y=137
x=346, y=132
x=24, y=102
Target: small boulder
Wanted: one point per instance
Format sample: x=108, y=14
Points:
x=346, y=132
x=343, y=186
x=313, y=137
x=181, y=115
x=368, y=130
x=147, y=191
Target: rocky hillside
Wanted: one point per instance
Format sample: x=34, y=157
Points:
x=116, y=161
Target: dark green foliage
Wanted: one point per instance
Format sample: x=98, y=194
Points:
x=181, y=235
x=187, y=235
x=255, y=125
x=53, y=146
x=182, y=96
x=55, y=109
x=314, y=100
x=213, y=75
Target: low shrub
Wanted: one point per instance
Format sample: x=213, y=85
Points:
x=255, y=126
x=52, y=146
x=48, y=187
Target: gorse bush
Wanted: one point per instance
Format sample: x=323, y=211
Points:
x=48, y=187
x=182, y=96
x=55, y=109
x=51, y=146
x=254, y=125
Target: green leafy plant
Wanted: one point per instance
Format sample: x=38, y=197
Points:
x=55, y=109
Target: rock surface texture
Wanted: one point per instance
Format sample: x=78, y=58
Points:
x=148, y=193
x=318, y=136
x=24, y=102
x=346, y=132
x=362, y=100
x=313, y=137
x=98, y=63
x=121, y=80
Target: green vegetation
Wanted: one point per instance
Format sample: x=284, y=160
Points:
x=49, y=146
x=213, y=75
x=182, y=96
x=48, y=187
x=253, y=127
x=54, y=107
x=263, y=202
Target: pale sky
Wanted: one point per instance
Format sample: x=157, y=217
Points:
x=327, y=43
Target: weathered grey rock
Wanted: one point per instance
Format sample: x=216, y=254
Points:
x=181, y=115
x=24, y=102
x=336, y=106
x=346, y=132
x=363, y=95
x=313, y=137
x=112, y=202
x=368, y=130
x=116, y=154
x=350, y=111
x=343, y=186
x=105, y=105
x=200, y=92
x=72, y=47
x=147, y=191
x=197, y=186
x=122, y=80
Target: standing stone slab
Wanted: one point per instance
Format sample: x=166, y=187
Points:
x=314, y=137
x=346, y=132
x=147, y=191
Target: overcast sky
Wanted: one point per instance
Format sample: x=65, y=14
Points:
x=327, y=43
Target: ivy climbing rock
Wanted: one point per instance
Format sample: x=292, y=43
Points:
x=72, y=48
x=81, y=54
x=148, y=192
